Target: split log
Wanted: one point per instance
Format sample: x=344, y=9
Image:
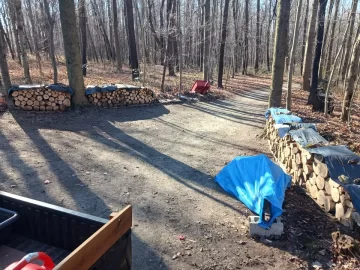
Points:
x=320, y=169
x=314, y=191
x=320, y=182
x=329, y=204
x=328, y=186
x=312, y=178
x=339, y=211
x=320, y=198
x=335, y=194
x=333, y=183
x=307, y=168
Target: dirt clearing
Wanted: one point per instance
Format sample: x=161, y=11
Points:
x=162, y=160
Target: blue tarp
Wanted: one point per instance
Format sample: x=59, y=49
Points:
x=308, y=137
x=276, y=111
x=55, y=87
x=253, y=179
x=282, y=116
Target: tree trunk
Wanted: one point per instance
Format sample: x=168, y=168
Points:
x=304, y=37
x=268, y=37
x=35, y=37
x=280, y=49
x=235, y=5
x=111, y=29
x=323, y=51
x=72, y=51
x=12, y=11
x=309, y=46
x=50, y=28
x=92, y=44
x=257, y=49
x=246, y=39
x=222, y=45
x=349, y=40
x=331, y=41
x=292, y=54
x=132, y=41
x=351, y=79
x=20, y=27
x=171, y=28
x=116, y=34
x=6, y=37
x=82, y=25
x=3, y=65
x=207, y=40
x=313, y=99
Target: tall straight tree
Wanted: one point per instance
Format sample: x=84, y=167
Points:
x=12, y=12
x=258, y=37
x=331, y=39
x=82, y=25
x=268, y=36
x=21, y=32
x=292, y=54
x=34, y=36
x=351, y=79
x=223, y=41
x=347, y=51
x=72, y=51
x=50, y=37
x=304, y=37
x=116, y=35
x=313, y=99
x=207, y=41
x=280, y=49
x=309, y=46
x=3, y=65
x=131, y=32
x=246, y=39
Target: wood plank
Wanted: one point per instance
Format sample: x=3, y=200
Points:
x=84, y=256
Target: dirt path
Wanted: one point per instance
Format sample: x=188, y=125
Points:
x=160, y=159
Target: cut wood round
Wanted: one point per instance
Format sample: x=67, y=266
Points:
x=307, y=168
x=21, y=98
x=298, y=159
x=52, y=99
x=312, y=178
x=46, y=96
x=29, y=102
x=329, y=204
x=36, y=103
x=328, y=187
x=320, y=182
x=55, y=108
x=17, y=103
x=36, y=108
x=49, y=108
x=335, y=194
x=23, y=103
x=348, y=212
x=28, y=95
x=321, y=198
x=339, y=211
x=61, y=97
x=15, y=93
x=333, y=183
x=313, y=191
x=42, y=108
x=66, y=102
x=320, y=169
x=348, y=203
x=39, y=98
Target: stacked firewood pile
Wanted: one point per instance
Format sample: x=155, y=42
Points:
x=41, y=99
x=310, y=171
x=121, y=97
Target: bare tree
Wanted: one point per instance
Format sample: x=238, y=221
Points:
x=223, y=41
x=116, y=34
x=347, y=51
x=3, y=65
x=50, y=32
x=207, y=40
x=280, y=49
x=20, y=28
x=304, y=37
x=132, y=41
x=292, y=54
x=351, y=79
x=83, y=32
x=309, y=46
x=246, y=39
x=258, y=38
x=313, y=99
x=72, y=51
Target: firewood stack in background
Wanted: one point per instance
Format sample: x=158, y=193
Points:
x=41, y=98
x=122, y=97
x=310, y=171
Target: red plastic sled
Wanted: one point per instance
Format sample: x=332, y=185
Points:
x=200, y=87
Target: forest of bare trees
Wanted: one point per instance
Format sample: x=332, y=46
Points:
x=317, y=40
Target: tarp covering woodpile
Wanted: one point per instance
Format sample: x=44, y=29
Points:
x=331, y=172
x=254, y=179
